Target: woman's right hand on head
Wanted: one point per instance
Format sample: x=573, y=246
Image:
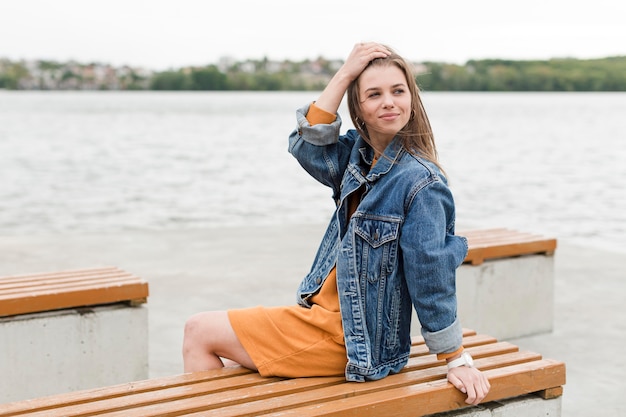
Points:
x=361, y=55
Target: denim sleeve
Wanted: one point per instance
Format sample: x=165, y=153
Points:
x=320, y=150
x=430, y=254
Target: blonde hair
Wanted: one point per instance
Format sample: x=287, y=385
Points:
x=417, y=135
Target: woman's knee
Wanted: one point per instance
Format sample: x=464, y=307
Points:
x=206, y=328
x=211, y=333
x=198, y=327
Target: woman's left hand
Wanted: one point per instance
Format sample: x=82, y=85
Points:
x=470, y=381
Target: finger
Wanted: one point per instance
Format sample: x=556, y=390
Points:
x=471, y=395
x=458, y=384
x=482, y=389
x=486, y=386
x=370, y=48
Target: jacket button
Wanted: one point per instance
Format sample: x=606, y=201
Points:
x=318, y=280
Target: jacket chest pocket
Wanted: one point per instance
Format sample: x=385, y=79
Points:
x=376, y=246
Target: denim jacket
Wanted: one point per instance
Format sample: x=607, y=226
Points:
x=396, y=252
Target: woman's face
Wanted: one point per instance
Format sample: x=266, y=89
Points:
x=385, y=102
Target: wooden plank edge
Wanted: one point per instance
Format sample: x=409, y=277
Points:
x=550, y=393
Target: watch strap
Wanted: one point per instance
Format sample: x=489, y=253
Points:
x=462, y=361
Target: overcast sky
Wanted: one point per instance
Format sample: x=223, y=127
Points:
x=161, y=34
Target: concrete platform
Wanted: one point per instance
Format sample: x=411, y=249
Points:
x=72, y=349
x=191, y=271
x=509, y=297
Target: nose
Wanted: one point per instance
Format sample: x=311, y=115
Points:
x=388, y=101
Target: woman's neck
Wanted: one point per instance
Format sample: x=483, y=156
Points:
x=379, y=143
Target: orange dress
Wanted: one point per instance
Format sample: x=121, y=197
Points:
x=295, y=341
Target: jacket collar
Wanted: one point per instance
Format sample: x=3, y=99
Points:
x=390, y=156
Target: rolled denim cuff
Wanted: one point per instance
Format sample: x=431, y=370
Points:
x=319, y=134
x=444, y=340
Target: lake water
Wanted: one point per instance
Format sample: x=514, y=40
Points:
x=75, y=162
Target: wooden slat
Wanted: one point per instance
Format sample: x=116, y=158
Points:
x=219, y=393
x=22, y=294
x=501, y=243
x=58, y=282
x=238, y=392
x=30, y=407
x=62, y=274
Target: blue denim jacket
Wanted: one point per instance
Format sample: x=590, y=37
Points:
x=396, y=252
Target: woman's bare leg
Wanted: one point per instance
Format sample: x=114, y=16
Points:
x=209, y=337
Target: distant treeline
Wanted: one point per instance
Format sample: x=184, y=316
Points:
x=563, y=74
x=606, y=74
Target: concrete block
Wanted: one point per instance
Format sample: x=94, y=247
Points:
x=509, y=297
x=67, y=350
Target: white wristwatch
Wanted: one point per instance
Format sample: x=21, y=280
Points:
x=465, y=360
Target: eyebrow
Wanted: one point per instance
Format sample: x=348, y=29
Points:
x=379, y=88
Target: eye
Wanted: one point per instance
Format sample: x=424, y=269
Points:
x=399, y=91
x=373, y=94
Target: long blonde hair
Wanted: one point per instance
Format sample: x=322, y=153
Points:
x=417, y=135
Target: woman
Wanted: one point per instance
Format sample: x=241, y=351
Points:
x=390, y=246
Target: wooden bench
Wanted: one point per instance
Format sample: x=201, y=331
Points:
x=34, y=293
x=420, y=389
x=504, y=243
x=70, y=330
